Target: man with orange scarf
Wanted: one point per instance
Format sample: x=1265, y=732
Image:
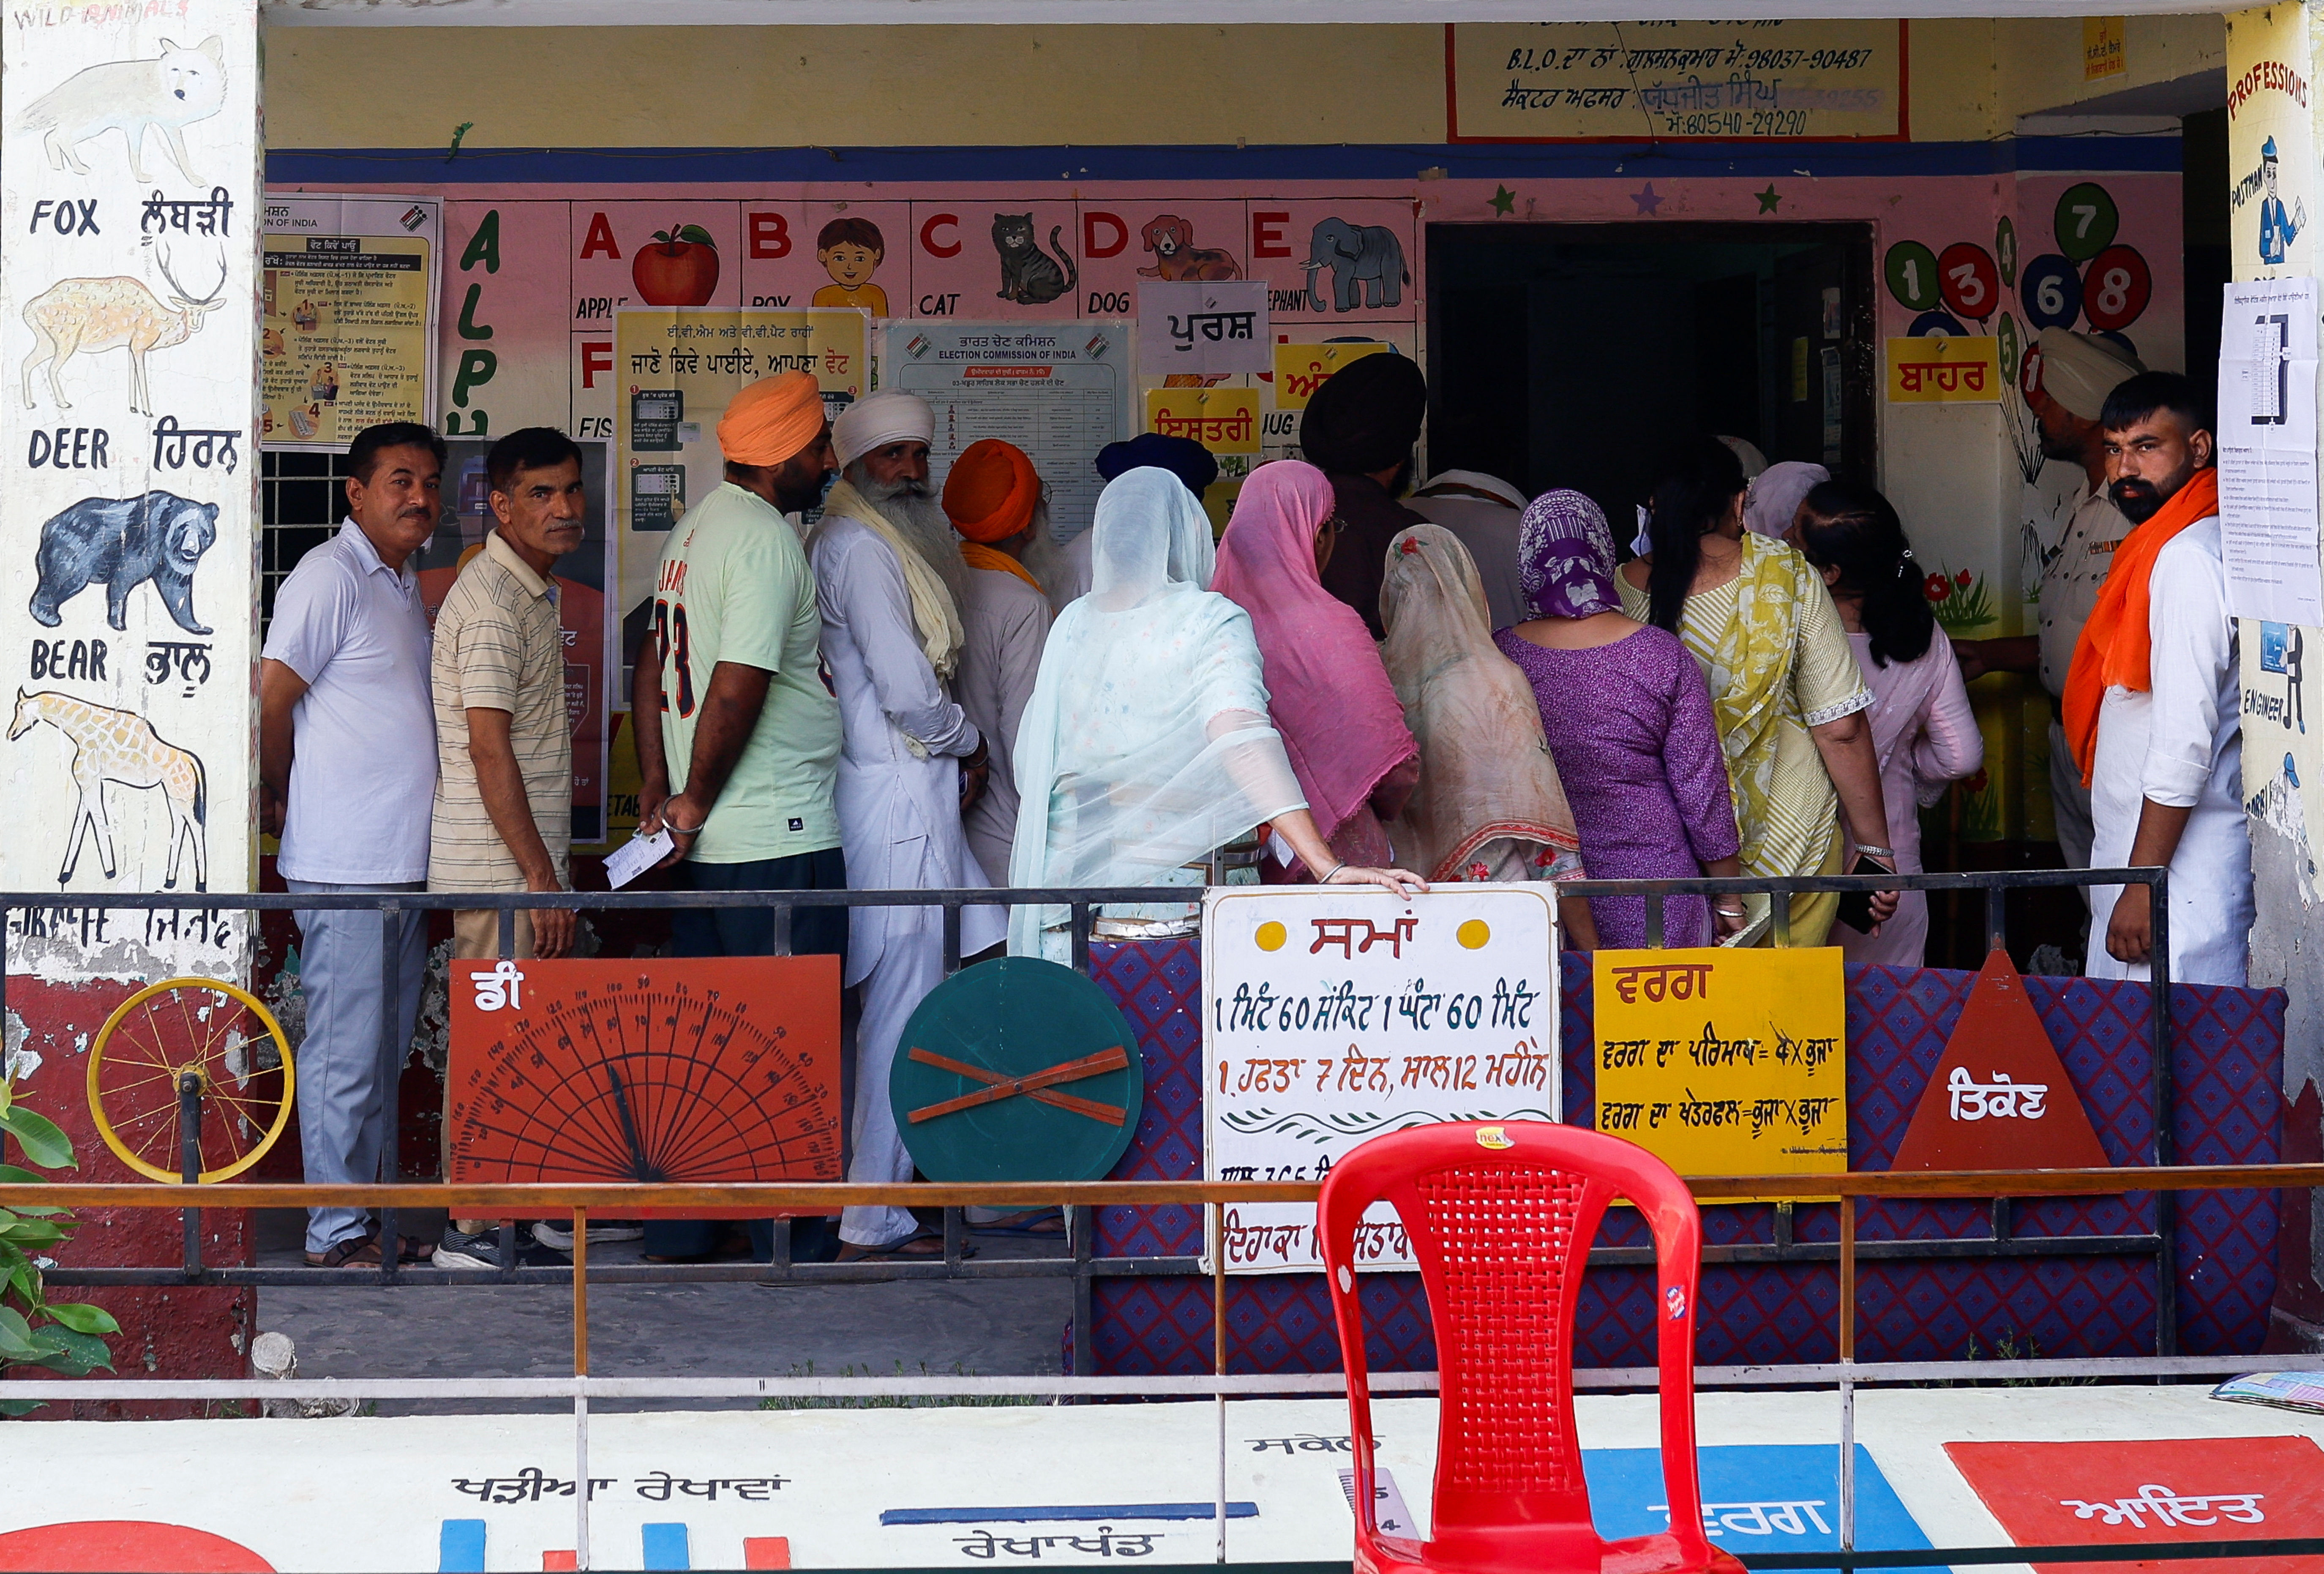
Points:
x=2152, y=701
x=995, y=499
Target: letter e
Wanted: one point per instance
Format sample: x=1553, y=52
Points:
x=1266, y=237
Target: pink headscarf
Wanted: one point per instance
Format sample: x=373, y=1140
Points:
x=1341, y=720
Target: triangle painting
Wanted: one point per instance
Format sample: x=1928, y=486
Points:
x=2000, y=1098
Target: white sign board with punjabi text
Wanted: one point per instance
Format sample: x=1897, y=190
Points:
x=1334, y=1015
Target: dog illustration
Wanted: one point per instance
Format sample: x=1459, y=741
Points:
x=120, y=747
x=123, y=541
x=1171, y=239
x=133, y=98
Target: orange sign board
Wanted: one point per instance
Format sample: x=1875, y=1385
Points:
x=2000, y=1098
x=680, y=1070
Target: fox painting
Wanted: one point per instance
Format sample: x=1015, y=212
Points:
x=133, y=98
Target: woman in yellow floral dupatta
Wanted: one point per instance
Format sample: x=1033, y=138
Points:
x=1783, y=683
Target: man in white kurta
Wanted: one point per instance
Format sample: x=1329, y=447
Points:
x=2166, y=771
x=890, y=638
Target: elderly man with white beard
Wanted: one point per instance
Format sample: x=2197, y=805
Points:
x=886, y=563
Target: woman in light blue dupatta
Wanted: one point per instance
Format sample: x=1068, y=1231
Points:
x=1147, y=741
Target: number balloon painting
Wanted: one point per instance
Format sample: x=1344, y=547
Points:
x=594, y=1069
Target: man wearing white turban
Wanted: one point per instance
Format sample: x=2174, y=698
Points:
x=885, y=559
x=2072, y=376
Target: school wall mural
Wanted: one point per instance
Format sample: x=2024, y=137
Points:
x=128, y=187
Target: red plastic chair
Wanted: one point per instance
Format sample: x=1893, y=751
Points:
x=1500, y=1219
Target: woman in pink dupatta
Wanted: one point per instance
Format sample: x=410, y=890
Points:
x=1923, y=731
x=1327, y=691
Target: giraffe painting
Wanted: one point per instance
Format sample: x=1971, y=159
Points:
x=120, y=747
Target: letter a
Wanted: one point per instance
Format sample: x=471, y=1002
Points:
x=600, y=239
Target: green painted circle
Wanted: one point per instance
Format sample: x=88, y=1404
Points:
x=2086, y=221
x=1015, y=1015
x=2004, y=250
x=2008, y=337
x=1910, y=269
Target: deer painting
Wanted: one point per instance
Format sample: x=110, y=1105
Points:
x=120, y=747
x=96, y=315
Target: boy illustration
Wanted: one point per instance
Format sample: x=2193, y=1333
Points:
x=851, y=251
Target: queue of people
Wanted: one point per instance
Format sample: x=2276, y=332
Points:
x=946, y=688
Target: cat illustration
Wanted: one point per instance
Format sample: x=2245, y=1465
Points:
x=132, y=97
x=160, y=537
x=1029, y=276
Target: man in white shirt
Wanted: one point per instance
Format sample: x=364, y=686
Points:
x=346, y=760
x=885, y=562
x=1484, y=512
x=2165, y=765
x=2068, y=390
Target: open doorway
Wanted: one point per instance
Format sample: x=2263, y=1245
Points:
x=1568, y=355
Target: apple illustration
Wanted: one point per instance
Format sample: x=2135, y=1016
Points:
x=680, y=269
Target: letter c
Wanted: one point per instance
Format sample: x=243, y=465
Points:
x=928, y=235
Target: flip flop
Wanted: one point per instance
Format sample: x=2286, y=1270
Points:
x=1041, y=1224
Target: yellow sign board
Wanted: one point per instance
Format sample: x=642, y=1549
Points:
x=1225, y=421
x=1604, y=81
x=2105, y=52
x=1725, y=1061
x=346, y=338
x=1942, y=370
x=1300, y=368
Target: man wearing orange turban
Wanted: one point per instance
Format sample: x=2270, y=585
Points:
x=729, y=705
x=994, y=500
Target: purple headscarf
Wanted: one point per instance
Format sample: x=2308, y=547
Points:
x=1565, y=557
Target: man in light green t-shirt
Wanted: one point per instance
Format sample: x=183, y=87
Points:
x=729, y=703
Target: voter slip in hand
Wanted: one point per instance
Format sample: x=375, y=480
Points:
x=634, y=857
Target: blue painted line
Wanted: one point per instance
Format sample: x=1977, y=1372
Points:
x=1072, y=1511
x=666, y=1547
x=460, y=1549
x=1398, y=162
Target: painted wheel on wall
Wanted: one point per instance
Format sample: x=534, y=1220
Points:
x=220, y=1034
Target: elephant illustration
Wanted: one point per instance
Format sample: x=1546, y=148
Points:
x=1368, y=256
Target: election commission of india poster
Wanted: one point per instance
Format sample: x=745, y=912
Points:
x=1333, y=1016
x=1058, y=391
x=348, y=335
x=676, y=371
x=1723, y=1061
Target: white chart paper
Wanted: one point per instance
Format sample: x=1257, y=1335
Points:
x=1194, y=327
x=1058, y=391
x=2267, y=450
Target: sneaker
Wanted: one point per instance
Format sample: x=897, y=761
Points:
x=458, y=1249
x=556, y=1238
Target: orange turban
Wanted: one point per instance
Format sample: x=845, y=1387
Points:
x=992, y=491
x=771, y=420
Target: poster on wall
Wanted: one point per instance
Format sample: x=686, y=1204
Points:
x=583, y=612
x=348, y=294
x=678, y=370
x=129, y=184
x=1335, y=1015
x=2270, y=142
x=2267, y=450
x=1606, y=81
x=1060, y=392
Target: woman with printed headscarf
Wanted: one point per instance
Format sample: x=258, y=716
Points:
x=1628, y=723
x=1147, y=742
x=1488, y=805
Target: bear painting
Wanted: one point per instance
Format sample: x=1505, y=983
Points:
x=122, y=541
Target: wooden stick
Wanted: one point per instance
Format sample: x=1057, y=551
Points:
x=1847, y=1278
x=1000, y=1087
x=581, y=1296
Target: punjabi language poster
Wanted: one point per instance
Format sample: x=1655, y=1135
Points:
x=2267, y=450
x=1725, y=1061
x=349, y=289
x=1334, y=1016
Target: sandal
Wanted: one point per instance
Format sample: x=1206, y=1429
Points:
x=1041, y=1224
x=926, y=1245
x=358, y=1251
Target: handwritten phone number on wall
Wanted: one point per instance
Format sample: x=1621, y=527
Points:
x=1341, y=1009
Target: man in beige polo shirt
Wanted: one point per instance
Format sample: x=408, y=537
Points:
x=503, y=814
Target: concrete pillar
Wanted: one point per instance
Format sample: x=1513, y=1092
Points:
x=2271, y=99
x=130, y=204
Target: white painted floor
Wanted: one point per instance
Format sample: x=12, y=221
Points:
x=373, y=1494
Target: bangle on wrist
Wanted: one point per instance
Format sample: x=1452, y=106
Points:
x=1331, y=871
x=1871, y=851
